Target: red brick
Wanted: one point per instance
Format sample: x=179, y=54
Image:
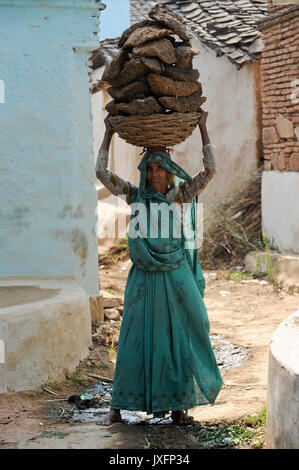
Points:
x=287, y=34
x=288, y=149
x=267, y=165
x=270, y=46
x=294, y=162
x=279, y=161
x=279, y=145
x=274, y=53
x=293, y=108
x=268, y=122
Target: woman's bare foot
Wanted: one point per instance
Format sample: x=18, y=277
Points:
x=113, y=416
x=180, y=417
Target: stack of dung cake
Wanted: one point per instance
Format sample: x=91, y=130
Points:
x=156, y=94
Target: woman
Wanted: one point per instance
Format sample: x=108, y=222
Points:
x=165, y=360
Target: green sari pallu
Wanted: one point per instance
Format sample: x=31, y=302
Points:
x=165, y=360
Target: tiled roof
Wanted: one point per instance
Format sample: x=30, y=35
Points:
x=105, y=53
x=227, y=26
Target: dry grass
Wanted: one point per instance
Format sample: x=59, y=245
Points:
x=233, y=228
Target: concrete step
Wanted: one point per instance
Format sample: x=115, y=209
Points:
x=45, y=330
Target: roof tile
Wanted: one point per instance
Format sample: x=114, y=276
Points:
x=234, y=40
x=192, y=6
x=192, y=14
x=226, y=37
x=206, y=4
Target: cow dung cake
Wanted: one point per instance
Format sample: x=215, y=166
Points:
x=157, y=97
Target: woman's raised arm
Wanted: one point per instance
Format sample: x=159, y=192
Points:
x=110, y=180
x=188, y=190
x=202, y=124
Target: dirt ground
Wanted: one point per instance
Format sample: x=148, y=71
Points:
x=244, y=312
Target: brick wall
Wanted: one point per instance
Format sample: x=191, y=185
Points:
x=275, y=8
x=280, y=90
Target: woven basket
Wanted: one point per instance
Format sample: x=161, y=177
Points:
x=156, y=129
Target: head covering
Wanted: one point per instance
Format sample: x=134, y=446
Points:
x=158, y=254
x=162, y=156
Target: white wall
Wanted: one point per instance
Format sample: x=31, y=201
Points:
x=283, y=384
x=280, y=201
x=48, y=200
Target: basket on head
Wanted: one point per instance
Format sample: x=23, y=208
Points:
x=155, y=129
x=156, y=94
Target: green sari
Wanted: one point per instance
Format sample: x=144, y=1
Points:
x=165, y=360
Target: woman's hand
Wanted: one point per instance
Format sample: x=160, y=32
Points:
x=108, y=135
x=109, y=128
x=203, y=119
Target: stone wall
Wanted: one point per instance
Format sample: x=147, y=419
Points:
x=280, y=88
x=275, y=6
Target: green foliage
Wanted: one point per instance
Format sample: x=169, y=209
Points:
x=224, y=436
x=267, y=255
x=111, y=291
x=49, y=435
x=258, y=419
x=124, y=240
x=257, y=264
x=248, y=432
x=78, y=379
x=237, y=276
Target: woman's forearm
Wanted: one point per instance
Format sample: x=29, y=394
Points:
x=204, y=134
x=106, y=141
x=196, y=185
x=104, y=149
x=110, y=180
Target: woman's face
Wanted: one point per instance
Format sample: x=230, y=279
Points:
x=156, y=176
